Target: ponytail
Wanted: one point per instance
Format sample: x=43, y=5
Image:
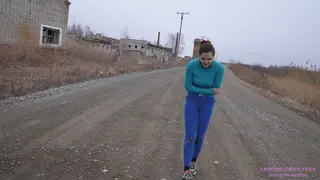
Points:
x=205, y=42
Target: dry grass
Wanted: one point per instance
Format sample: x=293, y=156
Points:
x=296, y=86
x=25, y=69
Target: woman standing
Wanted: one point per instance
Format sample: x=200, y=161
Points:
x=203, y=80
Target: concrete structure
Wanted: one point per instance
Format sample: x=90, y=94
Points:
x=196, y=46
x=161, y=54
x=40, y=22
x=113, y=42
x=98, y=42
x=133, y=45
x=94, y=44
x=146, y=49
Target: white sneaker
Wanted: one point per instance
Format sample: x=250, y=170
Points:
x=187, y=175
x=193, y=169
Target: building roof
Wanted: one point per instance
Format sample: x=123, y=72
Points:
x=104, y=41
x=160, y=47
x=144, y=41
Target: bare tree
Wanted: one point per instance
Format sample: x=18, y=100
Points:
x=72, y=29
x=171, y=42
x=182, y=44
x=125, y=33
x=232, y=61
x=88, y=33
x=76, y=29
x=79, y=30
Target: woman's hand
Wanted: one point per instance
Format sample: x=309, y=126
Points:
x=216, y=91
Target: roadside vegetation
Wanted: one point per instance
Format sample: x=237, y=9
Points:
x=295, y=86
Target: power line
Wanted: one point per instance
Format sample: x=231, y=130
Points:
x=179, y=37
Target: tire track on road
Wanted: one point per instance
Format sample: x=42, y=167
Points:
x=106, y=118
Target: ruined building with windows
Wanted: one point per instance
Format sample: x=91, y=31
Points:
x=153, y=52
x=34, y=21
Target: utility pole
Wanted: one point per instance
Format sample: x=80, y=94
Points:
x=178, y=46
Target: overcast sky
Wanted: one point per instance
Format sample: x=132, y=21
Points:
x=251, y=31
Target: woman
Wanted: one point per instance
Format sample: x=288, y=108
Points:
x=203, y=80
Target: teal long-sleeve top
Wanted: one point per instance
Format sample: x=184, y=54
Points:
x=202, y=80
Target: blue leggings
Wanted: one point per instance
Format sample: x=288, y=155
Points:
x=197, y=115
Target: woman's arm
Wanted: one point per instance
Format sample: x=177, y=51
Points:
x=188, y=85
x=218, y=78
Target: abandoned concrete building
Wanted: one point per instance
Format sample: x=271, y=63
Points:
x=97, y=42
x=196, y=46
x=146, y=49
x=34, y=21
x=112, y=42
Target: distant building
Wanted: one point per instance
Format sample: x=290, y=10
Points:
x=196, y=46
x=113, y=42
x=98, y=42
x=145, y=48
x=35, y=21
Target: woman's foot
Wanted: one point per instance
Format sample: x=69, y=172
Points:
x=187, y=175
x=193, y=168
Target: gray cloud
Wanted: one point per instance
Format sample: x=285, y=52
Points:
x=268, y=32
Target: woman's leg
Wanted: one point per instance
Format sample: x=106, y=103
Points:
x=191, y=127
x=205, y=114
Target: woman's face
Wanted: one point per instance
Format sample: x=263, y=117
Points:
x=206, y=59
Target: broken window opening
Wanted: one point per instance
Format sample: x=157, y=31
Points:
x=50, y=36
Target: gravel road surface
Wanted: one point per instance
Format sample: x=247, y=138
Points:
x=132, y=128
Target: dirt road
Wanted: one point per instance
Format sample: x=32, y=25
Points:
x=133, y=129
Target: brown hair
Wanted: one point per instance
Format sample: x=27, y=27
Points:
x=206, y=47
x=204, y=42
